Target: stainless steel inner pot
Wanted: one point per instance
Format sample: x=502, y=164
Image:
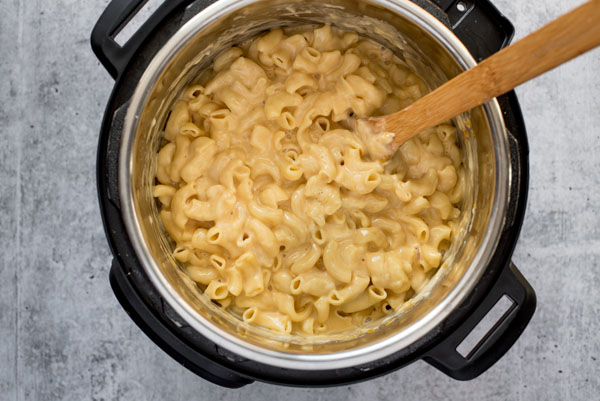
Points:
x=426, y=45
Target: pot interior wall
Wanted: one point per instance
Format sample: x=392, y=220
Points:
x=421, y=51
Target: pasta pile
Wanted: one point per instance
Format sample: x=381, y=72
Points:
x=277, y=211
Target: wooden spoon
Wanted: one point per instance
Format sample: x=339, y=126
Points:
x=561, y=40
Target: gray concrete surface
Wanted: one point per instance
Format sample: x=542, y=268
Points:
x=64, y=337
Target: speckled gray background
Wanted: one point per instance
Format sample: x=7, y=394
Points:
x=64, y=337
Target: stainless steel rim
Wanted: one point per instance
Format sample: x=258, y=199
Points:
x=336, y=360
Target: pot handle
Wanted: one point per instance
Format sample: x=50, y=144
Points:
x=451, y=357
x=159, y=332
x=478, y=24
x=114, y=18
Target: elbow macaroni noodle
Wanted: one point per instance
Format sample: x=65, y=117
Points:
x=275, y=208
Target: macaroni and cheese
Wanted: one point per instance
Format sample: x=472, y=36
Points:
x=275, y=207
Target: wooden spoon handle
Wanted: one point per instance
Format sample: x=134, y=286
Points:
x=561, y=40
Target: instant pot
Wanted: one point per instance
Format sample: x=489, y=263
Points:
x=441, y=37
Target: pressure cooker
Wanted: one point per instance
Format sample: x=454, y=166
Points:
x=442, y=38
